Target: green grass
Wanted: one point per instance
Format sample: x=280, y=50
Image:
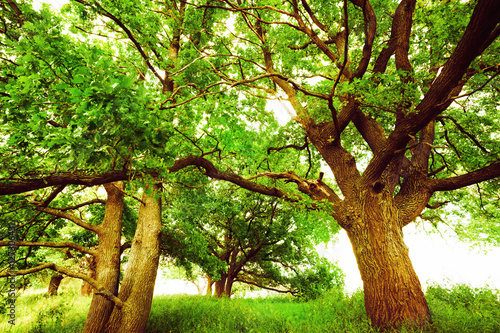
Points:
x=36, y=312
x=336, y=313
x=457, y=309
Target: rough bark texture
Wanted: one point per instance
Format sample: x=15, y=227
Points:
x=137, y=288
x=393, y=294
x=107, y=258
x=55, y=281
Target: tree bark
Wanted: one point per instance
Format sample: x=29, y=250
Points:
x=220, y=285
x=87, y=288
x=137, y=288
x=107, y=258
x=229, y=286
x=209, y=286
x=393, y=294
x=55, y=281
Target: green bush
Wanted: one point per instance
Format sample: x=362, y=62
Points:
x=464, y=309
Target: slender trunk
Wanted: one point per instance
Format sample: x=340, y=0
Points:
x=229, y=286
x=209, y=285
x=107, y=260
x=54, y=283
x=393, y=294
x=138, y=284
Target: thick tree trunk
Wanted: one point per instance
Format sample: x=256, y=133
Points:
x=393, y=294
x=138, y=284
x=107, y=260
x=54, y=283
x=220, y=286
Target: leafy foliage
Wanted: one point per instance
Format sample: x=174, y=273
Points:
x=262, y=241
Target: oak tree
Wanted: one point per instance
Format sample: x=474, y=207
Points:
x=399, y=99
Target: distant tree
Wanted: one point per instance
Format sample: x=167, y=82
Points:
x=256, y=240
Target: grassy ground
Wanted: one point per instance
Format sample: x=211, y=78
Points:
x=36, y=312
x=455, y=310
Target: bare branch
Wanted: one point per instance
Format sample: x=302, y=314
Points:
x=461, y=129
x=288, y=146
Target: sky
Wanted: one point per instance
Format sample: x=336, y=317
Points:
x=438, y=258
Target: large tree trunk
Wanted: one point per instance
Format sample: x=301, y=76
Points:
x=107, y=260
x=393, y=294
x=138, y=284
x=54, y=283
x=220, y=285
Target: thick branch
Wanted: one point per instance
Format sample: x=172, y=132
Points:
x=484, y=19
x=99, y=287
x=70, y=245
x=211, y=171
x=53, y=195
x=316, y=189
x=83, y=204
x=25, y=185
x=370, y=31
x=400, y=31
x=448, y=184
x=314, y=37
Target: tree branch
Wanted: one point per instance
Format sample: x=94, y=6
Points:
x=70, y=245
x=128, y=33
x=53, y=195
x=288, y=146
x=68, y=216
x=448, y=184
x=101, y=290
x=211, y=171
x=485, y=17
x=15, y=186
x=86, y=203
x=370, y=31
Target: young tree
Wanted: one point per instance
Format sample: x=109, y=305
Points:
x=399, y=99
x=236, y=236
